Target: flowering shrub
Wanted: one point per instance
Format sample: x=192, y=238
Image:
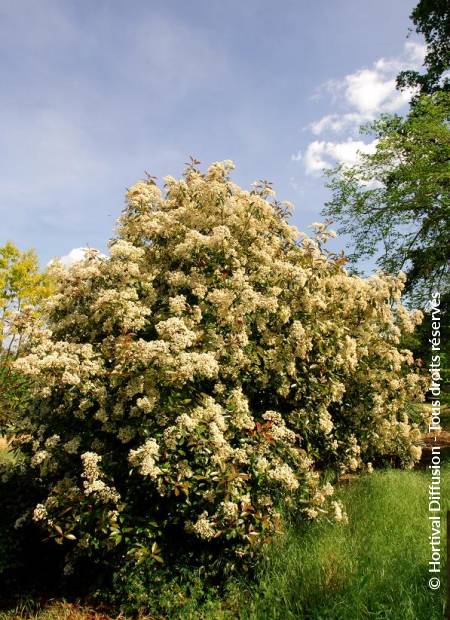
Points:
x=210, y=368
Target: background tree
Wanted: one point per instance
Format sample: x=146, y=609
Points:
x=22, y=290
x=431, y=19
x=395, y=202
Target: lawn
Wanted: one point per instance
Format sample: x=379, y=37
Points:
x=374, y=567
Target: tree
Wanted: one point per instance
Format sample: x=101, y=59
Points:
x=431, y=19
x=395, y=202
x=22, y=291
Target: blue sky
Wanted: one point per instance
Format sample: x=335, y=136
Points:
x=94, y=93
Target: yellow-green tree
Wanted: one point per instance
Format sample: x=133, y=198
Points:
x=22, y=289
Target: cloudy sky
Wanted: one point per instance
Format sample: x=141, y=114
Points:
x=94, y=93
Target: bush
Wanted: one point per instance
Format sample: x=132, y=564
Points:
x=210, y=368
x=176, y=592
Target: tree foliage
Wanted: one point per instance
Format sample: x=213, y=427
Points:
x=22, y=290
x=395, y=202
x=431, y=19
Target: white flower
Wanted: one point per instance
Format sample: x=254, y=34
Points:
x=311, y=513
x=230, y=510
x=177, y=304
x=40, y=513
x=145, y=403
x=339, y=514
x=203, y=527
x=93, y=485
x=71, y=447
x=39, y=457
x=145, y=458
x=285, y=476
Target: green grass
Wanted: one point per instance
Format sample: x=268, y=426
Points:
x=374, y=567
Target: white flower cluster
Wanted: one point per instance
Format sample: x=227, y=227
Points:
x=145, y=459
x=39, y=457
x=40, y=513
x=92, y=484
x=203, y=527
x=285, y=476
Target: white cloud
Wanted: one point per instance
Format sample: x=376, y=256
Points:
x=361, y=96
x=74, y=256
x=296, y=156
x=313, y=160
x=415, y=53
x=321, y=155
x=369, y=91
x=336, y=122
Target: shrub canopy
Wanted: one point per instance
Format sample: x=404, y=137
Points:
x=206, y=371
